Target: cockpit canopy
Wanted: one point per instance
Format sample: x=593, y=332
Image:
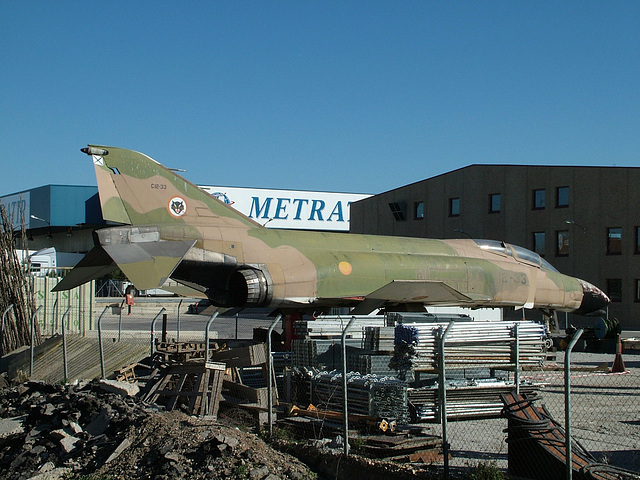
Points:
x=521, y=254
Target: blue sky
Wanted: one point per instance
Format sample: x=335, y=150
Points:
x=338, y=96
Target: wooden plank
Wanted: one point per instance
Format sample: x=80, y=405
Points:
x=242, y=357
x=532, y=434
x=176, y=392
x=195, y=403
x=198, y=383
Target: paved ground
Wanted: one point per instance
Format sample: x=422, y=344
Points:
x=605, y=413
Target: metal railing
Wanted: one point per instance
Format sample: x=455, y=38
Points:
x=438, y=391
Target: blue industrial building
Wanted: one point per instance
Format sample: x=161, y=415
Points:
x=56, y=215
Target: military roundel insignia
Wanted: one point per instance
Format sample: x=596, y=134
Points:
x=345, y=268
x=177, y=207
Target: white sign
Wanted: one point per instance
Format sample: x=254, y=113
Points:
x=290, y=208
x=18, y=209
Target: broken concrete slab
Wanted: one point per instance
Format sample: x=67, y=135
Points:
x=125, y=389
x=11, y=426
x=58, y=473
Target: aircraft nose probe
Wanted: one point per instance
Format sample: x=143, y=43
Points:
x=593, y=299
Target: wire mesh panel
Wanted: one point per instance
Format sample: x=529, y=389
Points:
x=605, y=424
x=605, y=407
x=394, y=384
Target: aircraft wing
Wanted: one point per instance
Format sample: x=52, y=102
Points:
x=423, y=292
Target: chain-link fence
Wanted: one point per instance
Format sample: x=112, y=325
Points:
x=114, y=335
x=396, y=369
x=491, y=371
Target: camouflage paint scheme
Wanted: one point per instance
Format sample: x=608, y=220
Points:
x=172, y=228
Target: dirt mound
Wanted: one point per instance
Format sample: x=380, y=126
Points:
x=54, y=431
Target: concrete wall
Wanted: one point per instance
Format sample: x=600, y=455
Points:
x=80, y=301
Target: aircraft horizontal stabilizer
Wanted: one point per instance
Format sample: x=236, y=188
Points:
x=148, y=264
x=423, y=292
x=95, y=264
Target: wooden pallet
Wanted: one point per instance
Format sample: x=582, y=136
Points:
x=179, y=351
x=197, y=385
x=243, y=356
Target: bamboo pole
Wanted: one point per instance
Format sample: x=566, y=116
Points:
x=15, y=288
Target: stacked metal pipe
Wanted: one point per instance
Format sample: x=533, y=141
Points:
x=367, y=363
x=465, y=399
x=332, y=326
x=373, y=395
x=320, y=353
x=378, y=338
x=470, y=344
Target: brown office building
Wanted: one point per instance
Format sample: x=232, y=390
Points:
x=585, y=221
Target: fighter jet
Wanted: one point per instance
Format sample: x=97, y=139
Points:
x=167, y=227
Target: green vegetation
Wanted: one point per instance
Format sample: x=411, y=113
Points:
x=242, y=471
x=485, y=471
x=356, y=443
x=76, y=476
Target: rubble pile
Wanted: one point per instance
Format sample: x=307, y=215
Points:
x=73, y=431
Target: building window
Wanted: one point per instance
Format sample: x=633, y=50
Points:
x=614, y=289
x=637, y=240
x=538, y=243
x=562, y=197
x=614, y=241
x=398, y=214
x=454, y=207
x=418, y=210
x=562, y=243
x=637, y=290
x=539, y=199
x=494, y=203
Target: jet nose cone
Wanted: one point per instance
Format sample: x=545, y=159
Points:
x=593, y=299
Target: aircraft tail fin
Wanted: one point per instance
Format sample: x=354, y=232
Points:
x=136, y=190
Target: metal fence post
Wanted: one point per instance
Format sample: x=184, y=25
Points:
x=516, y=376
x=345, y=403
x=33, y=340
x=53, y=316
x=45, y=301
x=83, y=293
x=165, y=323
x=102, y=367
x=206, y=336
x=442, y=333
x=567, y=401
x=270, y=378
x=178, y=321
x=120, y=320
x=4, y=315
x=65, y=368
x=153, y=330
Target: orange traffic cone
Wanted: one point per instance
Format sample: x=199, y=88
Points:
x=618, y=363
